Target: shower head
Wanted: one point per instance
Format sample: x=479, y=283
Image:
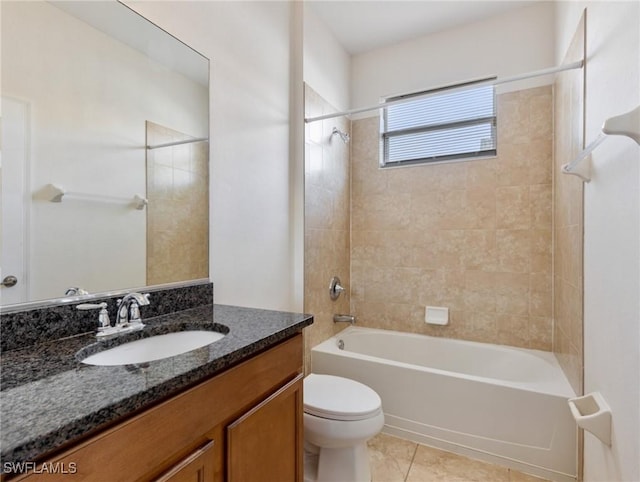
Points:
x=343, y=135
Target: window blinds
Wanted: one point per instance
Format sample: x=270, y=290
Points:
x=447, y=124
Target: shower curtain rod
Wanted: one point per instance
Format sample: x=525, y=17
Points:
x=178, y=143
x=495, y=81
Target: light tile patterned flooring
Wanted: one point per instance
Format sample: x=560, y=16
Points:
x=398, y=460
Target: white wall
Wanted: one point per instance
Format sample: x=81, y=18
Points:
x=512, y=43
x=89, y=97
x=612, y=232
x=255, y=228
x=327, y=65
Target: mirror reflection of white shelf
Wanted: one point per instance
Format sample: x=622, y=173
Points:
x=58, y=194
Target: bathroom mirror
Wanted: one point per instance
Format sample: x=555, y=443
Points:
x=105, y=126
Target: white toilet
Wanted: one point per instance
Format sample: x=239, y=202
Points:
x=340, y=415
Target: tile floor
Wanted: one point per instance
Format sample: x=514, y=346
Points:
x=398, y=460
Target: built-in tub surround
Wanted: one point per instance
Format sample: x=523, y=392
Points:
x=51, y=399
x=568, y=217
x=501, y=404
x=472, y=236
x=327, y=219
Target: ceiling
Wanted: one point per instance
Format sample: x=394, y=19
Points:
x=363, y=25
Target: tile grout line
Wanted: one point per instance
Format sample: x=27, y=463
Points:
x=415, y=451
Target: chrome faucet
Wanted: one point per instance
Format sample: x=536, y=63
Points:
x=344, y=319
x=75, y=291
x=128, y=308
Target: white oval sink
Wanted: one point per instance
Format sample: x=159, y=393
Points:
x=154, y=348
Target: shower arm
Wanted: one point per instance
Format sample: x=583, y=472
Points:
x=343, y=135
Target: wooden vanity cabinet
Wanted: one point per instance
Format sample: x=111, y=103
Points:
x=244, y=424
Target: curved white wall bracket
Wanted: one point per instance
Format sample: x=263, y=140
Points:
x=582, y=169
x=627, y=124
x=624, y=125
x=593, y=414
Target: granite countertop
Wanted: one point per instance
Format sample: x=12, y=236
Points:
x=48, y=398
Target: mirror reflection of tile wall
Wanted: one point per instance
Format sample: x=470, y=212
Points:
x=178, y=209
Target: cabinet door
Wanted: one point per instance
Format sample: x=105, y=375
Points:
x=265, y=444
x=196, y=467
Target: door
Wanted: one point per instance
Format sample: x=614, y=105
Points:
x=266, y=443
x=197, y=467
x=14, y=171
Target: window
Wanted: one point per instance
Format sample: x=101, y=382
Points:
x=457, y=122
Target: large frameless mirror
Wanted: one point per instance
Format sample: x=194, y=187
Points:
x=105, y=154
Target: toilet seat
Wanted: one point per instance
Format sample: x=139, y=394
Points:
x=338, y=398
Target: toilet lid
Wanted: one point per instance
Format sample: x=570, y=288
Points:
x=338, y=398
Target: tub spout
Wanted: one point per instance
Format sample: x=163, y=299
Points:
x=344, y=319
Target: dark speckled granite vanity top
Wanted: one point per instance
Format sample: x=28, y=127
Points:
x=49, y=398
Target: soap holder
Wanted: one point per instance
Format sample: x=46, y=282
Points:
x=436, y=315
x=593, y=414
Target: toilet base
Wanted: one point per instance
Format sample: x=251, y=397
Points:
x=338, y=465
x=310, y=467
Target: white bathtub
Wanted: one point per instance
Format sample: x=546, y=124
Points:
x=500, y=404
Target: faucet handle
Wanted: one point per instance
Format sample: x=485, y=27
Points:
x=134, y=308
x=134, y=312
x=103, y=317
x=335, y=288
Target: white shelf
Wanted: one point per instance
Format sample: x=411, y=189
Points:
x=592, y=413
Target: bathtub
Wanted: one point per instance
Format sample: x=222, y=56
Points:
x=495, y=403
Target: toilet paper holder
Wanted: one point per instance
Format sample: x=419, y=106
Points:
x=592, y=413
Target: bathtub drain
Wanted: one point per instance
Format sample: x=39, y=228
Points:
x=341, y=344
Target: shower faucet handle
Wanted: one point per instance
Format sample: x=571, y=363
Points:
x=335, y=288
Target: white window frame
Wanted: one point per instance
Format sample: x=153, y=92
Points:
x=456, y=157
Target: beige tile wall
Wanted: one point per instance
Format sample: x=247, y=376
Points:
x=568, y=218
x=327, y=220
x=473, y=236
x=178, y=210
